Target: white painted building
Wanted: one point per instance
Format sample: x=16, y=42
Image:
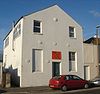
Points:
x=44, y=44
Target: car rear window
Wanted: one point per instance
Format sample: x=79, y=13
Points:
x=56, y=77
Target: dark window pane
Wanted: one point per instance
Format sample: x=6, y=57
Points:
x=76, y=78
x=33, y=60
x=71, y=34
x=37, y=26
x=71, y=31
x=36, y=29
x=71, y=56
x=36, y=23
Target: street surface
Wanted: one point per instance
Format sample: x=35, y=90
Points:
x=47, y=90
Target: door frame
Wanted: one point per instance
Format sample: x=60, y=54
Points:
x=59, y=67
x=85, y=72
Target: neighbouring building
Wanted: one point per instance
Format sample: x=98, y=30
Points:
x=90, y=61
x=93, y=40
x=92, y=57
x=44, y=44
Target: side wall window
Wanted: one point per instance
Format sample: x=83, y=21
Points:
x=17, y=31
x=6, y=41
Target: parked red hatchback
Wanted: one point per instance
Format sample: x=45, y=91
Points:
x=65, y=82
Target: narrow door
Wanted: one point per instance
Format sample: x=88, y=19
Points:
x=87, y=72
x=55, y=68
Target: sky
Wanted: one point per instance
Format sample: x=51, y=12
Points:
x=85, y=12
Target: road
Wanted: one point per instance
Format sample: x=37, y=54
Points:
x=47, y=90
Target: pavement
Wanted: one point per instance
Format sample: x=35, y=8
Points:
x=44, y=90
x=26, y=90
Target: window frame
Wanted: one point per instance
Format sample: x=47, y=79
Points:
x=35, y=67
x=76, y=77
x=17, y=31
x=71, y=61
x=37, y=27
x=72, y=33
x=6, y=42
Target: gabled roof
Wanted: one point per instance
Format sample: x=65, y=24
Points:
x=55, y=6
x=92, y=40
x=39, y=11
x=23, y=17
x=13, y=26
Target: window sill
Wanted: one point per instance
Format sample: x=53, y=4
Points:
x=72, y=37
x=73, y=71
x=38, y=33
x=37, y=72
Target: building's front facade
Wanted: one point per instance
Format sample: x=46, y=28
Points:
x=42, y=45
x=90, y=61
x=92, y=57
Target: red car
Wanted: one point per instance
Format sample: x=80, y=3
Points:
x=65, y=82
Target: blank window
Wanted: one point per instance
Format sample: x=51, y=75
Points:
x=37, y=60
x=72, y=61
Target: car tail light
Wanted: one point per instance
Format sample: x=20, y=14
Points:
x=57, y=82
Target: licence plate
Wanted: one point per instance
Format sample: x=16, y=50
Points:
x=51, y=85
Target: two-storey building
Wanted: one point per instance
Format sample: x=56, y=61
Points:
x=44, y=44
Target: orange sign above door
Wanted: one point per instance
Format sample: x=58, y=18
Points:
x=56, y=55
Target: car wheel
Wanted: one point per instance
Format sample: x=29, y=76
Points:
x=86, y=86
x=64, y=88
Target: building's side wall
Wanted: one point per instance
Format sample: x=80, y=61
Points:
x=55, y=37
x=0, y=73
x=90, y=59
x=12, y=54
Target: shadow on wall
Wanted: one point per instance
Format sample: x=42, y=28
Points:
x=15, y=79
